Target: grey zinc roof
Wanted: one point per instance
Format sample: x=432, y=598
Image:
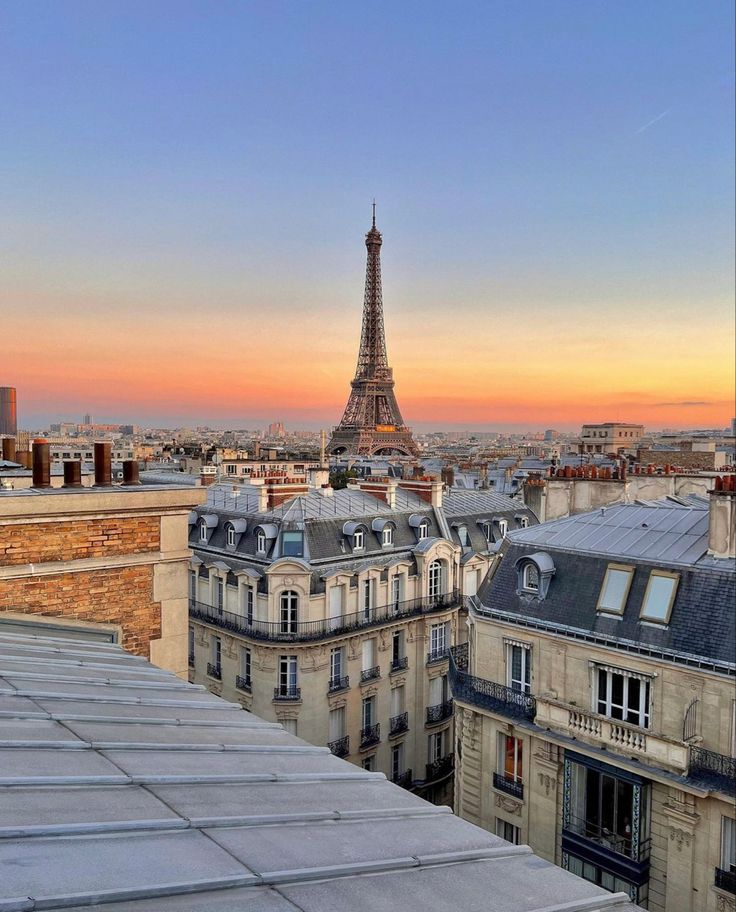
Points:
x=465, y=503
x=125, y=789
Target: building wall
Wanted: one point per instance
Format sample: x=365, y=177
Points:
x=115, y=556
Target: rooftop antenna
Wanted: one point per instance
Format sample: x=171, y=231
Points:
x=374, y=213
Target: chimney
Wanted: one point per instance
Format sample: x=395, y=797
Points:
x=722, y=518
x=9, y=448
x=207, y=475
x=262, y=498
x=281, y=488
x=429, y=489
x=103, y=465
x=383, y=488
x=41, y=464
x=130, y=472
x=73, y=474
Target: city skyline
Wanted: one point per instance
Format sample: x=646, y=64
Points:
x=186, y=196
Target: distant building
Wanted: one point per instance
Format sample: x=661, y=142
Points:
x=611, y=437
x=8, y=412
x=88, y=419
x=550, y=434
x=596, y=710
x=276, y=429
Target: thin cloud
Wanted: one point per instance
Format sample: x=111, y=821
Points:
x=652, y=121
x=681, y=404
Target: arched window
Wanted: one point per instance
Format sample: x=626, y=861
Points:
x=488, y=531
x=435, y=579
x=462, y=534
x=388, y=536
x=203, y=531
x=289, y=608
x=423, y=530
x=358, y=538
x=260, y=542
x=503, y=527
x=530, y=577
x=231, y=536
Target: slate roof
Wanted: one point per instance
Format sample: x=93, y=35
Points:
x=469, y=508
x=125, y=789
x=702, y=625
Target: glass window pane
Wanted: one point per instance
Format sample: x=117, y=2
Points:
x=615, y=587
x=659, y=595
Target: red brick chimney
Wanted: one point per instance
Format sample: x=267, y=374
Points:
x=426, y=487
x=382, y=487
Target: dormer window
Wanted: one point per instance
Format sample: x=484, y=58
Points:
x=503, y=527
x=387, y=537
x=488, y=531
x=530, y=578
x=203, y=531
x=230, y=537
x=358, y=540
x=260, y=542
x=462, y=534
x=523, y=522
x=292, y=544
x=423, y=530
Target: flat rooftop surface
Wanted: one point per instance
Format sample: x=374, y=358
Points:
x=125, y=789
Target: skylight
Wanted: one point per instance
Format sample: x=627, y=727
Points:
x=615, y=589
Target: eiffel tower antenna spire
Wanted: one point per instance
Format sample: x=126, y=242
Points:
x=372, y=422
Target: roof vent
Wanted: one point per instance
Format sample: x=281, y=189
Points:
x=603, y=511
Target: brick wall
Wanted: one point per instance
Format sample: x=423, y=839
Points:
x=122, y=595
x=42, y=542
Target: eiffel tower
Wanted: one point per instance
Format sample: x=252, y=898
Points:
x=372, y=424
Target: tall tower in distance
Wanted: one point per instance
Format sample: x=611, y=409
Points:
x=372, y=424
x=8, y=412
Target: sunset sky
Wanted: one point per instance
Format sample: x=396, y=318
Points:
x=185, y=187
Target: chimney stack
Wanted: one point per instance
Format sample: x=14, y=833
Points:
x=722, y=518
x=9, y=449
x=130, y=472
x=73, y=474
x=103, y=465
x=41, y=464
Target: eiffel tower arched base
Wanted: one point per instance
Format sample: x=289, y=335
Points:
x=370, y=442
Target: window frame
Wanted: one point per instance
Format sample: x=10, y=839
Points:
x=616, y=568
x=202, y=531
x=435, y=572
x=387, y=536
x=660, y=574
x=645, y=696
x=286, y=540
x=358, y=540
x=423, y=530
x=525, y=681
x=510, y=747
x=525, y=568
x=261, y=542
x=289, y=611
x=230, y=535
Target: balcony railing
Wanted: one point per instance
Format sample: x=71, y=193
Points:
x=439, y=713
x=717, y=770
x=726, y=880
x=405, y=779
x=399, y=664
x=398, y=724
x=287, y=694
x=508, y=785
x=489, y=695
x=440, y=768
x=370, y=735
x=242, y=683
x=341, y=747
x=327, y=627
x=460, y=656
x=370, y=674
x=339, y=684
x=606, y=839
x=437, y=655
x=214, y=671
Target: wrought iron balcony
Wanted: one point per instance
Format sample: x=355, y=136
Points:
x=716, y=770
x=327, y=627
x=508, y=785
x=369, y=674
x=460, y=656
x=243, y=683
x=214, y=671
x=439, y=713
x=405, y=779
x=726, y=880
x=440, y=768
x=370, y=735
x=339, y=684
x=437, y=655
x=287, y=694
x=399, y=664
x=341, y=747
x=398, y=724
x=488, y=695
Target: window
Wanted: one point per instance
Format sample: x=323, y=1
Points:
x=260, y=542
x=289, y=607
x=423, y=530
x=624, y=695
x=245, y=666
x=230, y=537
x=435, y=579
x=438, y=639
x=231, y=469
x=510, y=756
x=519, y=667
x=523, y=522
x=369, y=763
x=659, y=596
x=439, y=691
x=397, y=648
x=728, y=845
x=337, y=723
x=503, y=527
x=367, y=598
x=397, y=700
x=292, y=544
x=368, y=712
x=191, y=646
x=507, y=831
x=203, y=531
x=488, y=531
x=216, y=652
x=397, y=761
x=462, y=534
x=220, y=590
x=358, y=539
x=337, y=663
x=287, y=676
x=289, y=726
x=530, y=577
x=369, y=654
x=387, y=536
x=436, y=746
x=249, y=605
x=193, y=585
x=615, y=588
x=396, y=591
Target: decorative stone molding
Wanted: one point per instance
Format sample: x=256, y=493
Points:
x=548, y=783
x=508, y=805
x=725, y=903
x=680, y=837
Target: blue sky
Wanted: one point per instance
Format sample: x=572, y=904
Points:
x=532, y=162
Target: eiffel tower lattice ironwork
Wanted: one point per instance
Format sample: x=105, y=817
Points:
x=372, y=422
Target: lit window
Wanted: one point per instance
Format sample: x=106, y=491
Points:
x=510, y=755
x=388, y=536
x=530, y=577
x=624, y=695
x=659, y=596
x=358, y=539
x=203, y=531
x=423, y=530
x=615, y=588
x=260, y=542
x=230, y=537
